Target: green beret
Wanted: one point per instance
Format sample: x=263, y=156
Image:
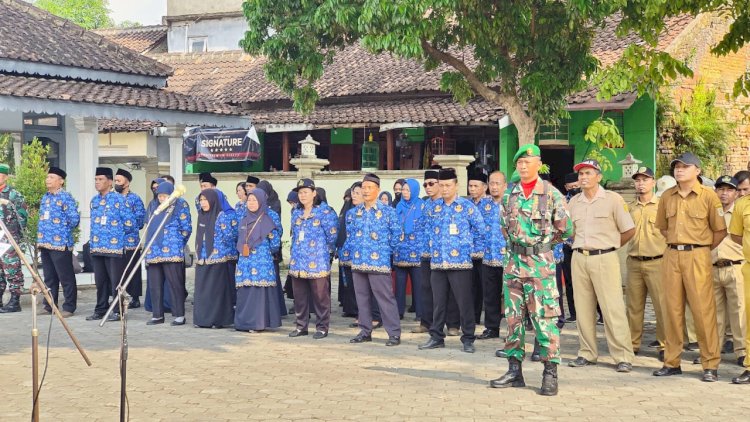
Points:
x=4, y=169
x=530, y=150
x=515, y=177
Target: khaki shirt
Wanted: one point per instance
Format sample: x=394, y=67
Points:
x=740, y=223
x=728, y=248
x=598, y=223
x=691, y=220
x=647, y=241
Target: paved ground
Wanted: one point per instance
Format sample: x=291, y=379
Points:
x=188, y=374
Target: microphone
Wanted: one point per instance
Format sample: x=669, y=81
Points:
x=179, y=190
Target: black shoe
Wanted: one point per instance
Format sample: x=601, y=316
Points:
x=727, y=348
x=320, y=334
x=378, y=325
x=298, y=333
x=361, y=338
x=744, y=378
x=432, y=344
x=113, y=317
x=549, y=380
x=354, y=325
x=14, y=304
x=624, y=367
x=654, y=344
x=579, y=362
x=512, y=378
x=570, y=319
x=710, y=375
x=178, y=321
x=469, y=348
x=393, y=341
x=535, y=355
x=691, y=347
x=741, y=361
x=600, y=321
x=488, y=333
x=94, y=317
x=155, y=321
x=529, y=326
x=666, y=371
x=697, y=361
x=661, y=355
x=411, y=309
x=560, y=323
x=501, y=353
x=134, y=304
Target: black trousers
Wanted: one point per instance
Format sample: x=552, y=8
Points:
x=346, y=286
x=477, y=288
x=135, y=288
x=58, y=270
x=315, y=292
x=564, y=269
x=428, y=304
x=174, y=273
x=458, y=281
x=107, y=273
x=492, y=284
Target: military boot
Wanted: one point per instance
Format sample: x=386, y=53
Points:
x=2, y=292
x=14, y=304
x=512, y=378
x=549, y=379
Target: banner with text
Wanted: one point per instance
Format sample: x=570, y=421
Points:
x=215, y=145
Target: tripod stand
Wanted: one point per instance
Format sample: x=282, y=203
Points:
x=38, y=286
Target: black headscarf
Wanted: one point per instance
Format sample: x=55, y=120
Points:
x=347, y=200
x=154, y=204
x=254, y=236
x=388, y=195
x=397, y=195
x=341, y=237
x=273, y=198
x=320, y=196
x=207, y=222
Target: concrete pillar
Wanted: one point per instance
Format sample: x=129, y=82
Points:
x=285, y=151
x=176, y=157
x=86, y=151
x=17, y=147
x=458, y=162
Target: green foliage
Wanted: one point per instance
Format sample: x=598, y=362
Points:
x=603, y=136
x=6, y=151
x=89, y=14
x=530, y=52
x=699, y=126
x=128, y=24
x=29, y=181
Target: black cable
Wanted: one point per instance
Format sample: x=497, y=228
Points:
x=46, y=364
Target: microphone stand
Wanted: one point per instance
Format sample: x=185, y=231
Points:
x=38, y=286
x=121, y=295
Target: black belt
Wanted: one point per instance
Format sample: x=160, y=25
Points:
x=686, y=247
x=726, y=263
x=590, y=252
x=646, y=258
x=530, y=250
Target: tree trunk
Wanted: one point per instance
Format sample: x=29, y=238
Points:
x=525, y=125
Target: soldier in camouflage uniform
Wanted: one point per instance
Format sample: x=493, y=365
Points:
x=534, y=218
x=14, y=214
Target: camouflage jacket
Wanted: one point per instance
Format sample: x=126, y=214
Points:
x=527, y=222
x=14, y=216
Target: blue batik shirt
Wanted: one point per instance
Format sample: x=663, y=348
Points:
x=175, y=234
x=108, y=216
x=257, y=269
x=134, y=224
x=478, y=252
x=313, y=242
x=456, y=233
x=374, y=235
x=408, y=252
x=495, y=247
x=225, y=240
x=58, y=216
x=425, y=223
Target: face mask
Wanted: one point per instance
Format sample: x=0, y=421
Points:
x=119, y=188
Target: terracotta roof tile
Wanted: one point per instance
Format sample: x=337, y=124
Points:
x=141, y=39
x=33, y=35
x=118, y=125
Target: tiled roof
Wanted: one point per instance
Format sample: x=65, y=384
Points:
x=108, y=94
x=141, y=39
x=419, y=110
x=32, y=35
x=118, y=125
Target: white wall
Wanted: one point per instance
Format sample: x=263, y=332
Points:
x=197, y=7
x=11, y=121
x=223, y=34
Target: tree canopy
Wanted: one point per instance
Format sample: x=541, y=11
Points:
x=89, y=14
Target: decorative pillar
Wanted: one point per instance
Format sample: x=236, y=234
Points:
x=176, y=157
x=458, y=162
x=308, y=162
x=285, y=151
x=83, y=172
x=17, y=146
x=389, y=149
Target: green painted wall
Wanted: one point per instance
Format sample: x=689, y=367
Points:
x=639, y=132
x=507, y=149
x=230, y=166
x=342, y=136
x=415, y=134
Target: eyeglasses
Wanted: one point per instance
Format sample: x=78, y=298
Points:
x=429, y=184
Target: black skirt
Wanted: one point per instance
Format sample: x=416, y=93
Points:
x=213, y=295
x=257, y=308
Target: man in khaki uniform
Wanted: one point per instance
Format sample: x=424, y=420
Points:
x=689, y=218
x=727, y=262
x=739, y=229
x=644, y=261
x=602, y=224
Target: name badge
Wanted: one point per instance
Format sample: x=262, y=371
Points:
x=245, y=250
x=104, y=220
x=46, y=215
x=301, y=236
x=453, y=229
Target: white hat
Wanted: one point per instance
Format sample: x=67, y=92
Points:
x=664, y=183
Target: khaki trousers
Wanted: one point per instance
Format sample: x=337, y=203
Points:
x=689, y=330
x=687, y=277
x=746, y=286
x=597, y=279
x=730, y=305
x=644, y=277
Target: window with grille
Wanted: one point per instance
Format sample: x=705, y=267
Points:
x=553, y=134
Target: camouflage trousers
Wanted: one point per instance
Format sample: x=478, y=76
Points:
x=538, y=297
x=10, y=272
